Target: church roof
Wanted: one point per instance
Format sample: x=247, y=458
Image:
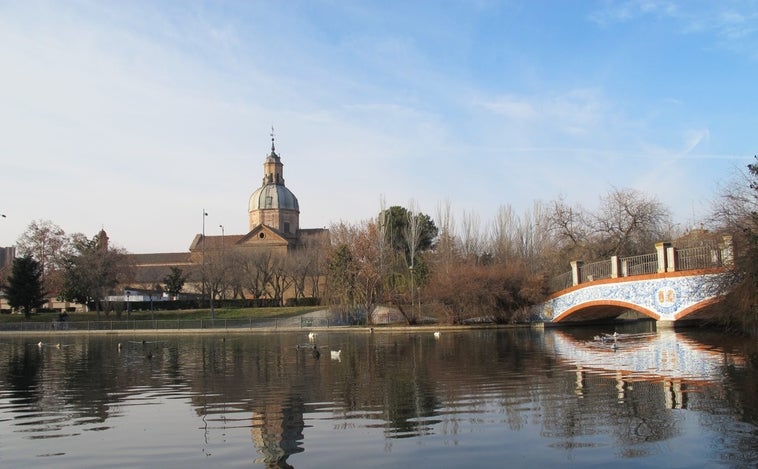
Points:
x=161, y=258
x=273, y=196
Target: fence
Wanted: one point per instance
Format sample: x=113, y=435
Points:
x=595, y=271
x=706, y=256
x=639, y=265
x=173, y=324
x=700, y=257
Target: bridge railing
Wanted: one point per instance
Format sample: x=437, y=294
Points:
x=666, y=259
x=699, y=257
x=561, y=282
x=639, y=265
x=595, y=271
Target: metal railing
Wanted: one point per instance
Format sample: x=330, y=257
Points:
x=561, y=282
x=699, y=257
x=639, y=265
x=595, y=271
x=705, y=256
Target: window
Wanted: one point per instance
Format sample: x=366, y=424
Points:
x=286, y=227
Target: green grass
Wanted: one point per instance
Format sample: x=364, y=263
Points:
x=220, y=313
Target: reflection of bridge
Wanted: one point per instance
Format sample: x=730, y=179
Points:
x=652, y=356
x=669, y=285
x=664, y=357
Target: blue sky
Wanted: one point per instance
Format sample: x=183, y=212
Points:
x=135, y=116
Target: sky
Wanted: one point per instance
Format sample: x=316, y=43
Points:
x=137, y=116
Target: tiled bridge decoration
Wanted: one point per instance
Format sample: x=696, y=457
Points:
x=670, y=285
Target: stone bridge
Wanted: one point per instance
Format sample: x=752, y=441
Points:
x=669, y=285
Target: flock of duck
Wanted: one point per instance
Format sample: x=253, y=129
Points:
x=315, y=352
x=334, y=354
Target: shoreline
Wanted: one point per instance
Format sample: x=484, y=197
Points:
x=271, y=330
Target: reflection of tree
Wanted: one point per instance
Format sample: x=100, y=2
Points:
x=22, y=375
x=409, y=394
x=412, y=383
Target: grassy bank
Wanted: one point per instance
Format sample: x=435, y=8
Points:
x=219, y=313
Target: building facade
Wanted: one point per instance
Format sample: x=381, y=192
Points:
x=274, y=228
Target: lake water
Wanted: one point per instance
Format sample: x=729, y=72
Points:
x=474, y=398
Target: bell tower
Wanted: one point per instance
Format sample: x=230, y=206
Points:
x=273, y=204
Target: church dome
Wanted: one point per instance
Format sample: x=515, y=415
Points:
x=273, y=196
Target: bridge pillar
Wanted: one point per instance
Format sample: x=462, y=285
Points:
x=576, y=272
x=615, y=266
x=671, y=263
x=660, y=251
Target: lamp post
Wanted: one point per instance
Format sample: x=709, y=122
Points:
x=128, y=294
x=202, y=239
x=222, y=239
x=213, y=313
x=222, y=259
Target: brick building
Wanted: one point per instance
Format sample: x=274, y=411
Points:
x=274, y=222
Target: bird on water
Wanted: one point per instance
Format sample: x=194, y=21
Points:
x=316, y=353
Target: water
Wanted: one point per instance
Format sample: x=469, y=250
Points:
x=484, y=398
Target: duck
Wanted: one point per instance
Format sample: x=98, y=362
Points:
x=436, y=334
x=311, y=336
x=336, y=354
x=316, y=354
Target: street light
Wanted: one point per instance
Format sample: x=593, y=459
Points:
x=213, y=313
x=222, y=260
x=202, y=274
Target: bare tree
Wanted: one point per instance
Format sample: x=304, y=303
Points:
x=356, y=266
x=257, y=267
x=49, y=245
x=569, y=226
x=503, y=234
x=629, y=222
x=736, y=213
x=382, y=236
x=279, y=280
x=446, y=252
x=534, y=244
x=472, y=242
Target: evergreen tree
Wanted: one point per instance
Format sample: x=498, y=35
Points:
x=24, y=288
x=174, y=281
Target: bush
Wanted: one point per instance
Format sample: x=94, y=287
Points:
x=302, y=301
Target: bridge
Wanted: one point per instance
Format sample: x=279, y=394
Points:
x=668, y=285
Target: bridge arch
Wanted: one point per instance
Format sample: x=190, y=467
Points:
x=670, y=296
x=601, y=309
x=697, y=311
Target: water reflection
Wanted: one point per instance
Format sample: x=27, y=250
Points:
x=471, y=397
